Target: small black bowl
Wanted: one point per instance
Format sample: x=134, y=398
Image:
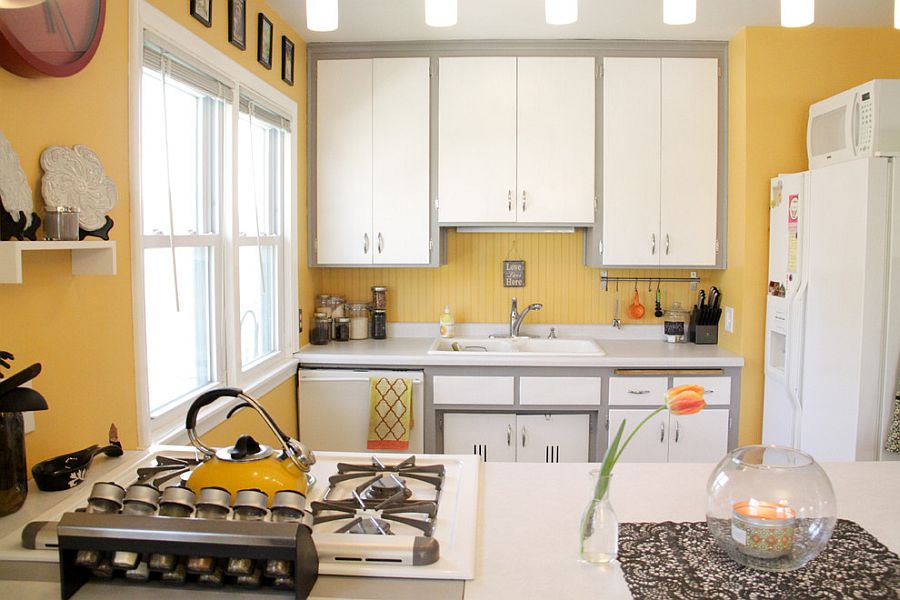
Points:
x=66, y=471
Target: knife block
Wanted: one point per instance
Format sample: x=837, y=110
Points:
x=702, y=334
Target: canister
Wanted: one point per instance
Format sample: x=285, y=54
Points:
x=61, y=223
x=359, y=320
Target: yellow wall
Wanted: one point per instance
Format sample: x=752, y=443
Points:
x=80, y=328
x=472, y=284
x=774, y=75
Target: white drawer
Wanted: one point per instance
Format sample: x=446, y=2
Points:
x=474, y=390
x=560, y=390
x=717, y=390
x=637, y=391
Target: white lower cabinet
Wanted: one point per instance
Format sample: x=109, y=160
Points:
x=508, y=437
x=701, y=437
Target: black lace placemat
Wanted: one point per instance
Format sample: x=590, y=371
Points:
x=683, y=561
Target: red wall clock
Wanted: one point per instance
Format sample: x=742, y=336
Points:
x=49, y=37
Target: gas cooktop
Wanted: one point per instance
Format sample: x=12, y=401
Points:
x=374, y=515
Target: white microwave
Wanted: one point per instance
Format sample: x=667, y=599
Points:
x=862, y=122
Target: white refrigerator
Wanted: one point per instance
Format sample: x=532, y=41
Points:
x=832, y=345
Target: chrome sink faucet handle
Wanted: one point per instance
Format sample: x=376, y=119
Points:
x=516, y=318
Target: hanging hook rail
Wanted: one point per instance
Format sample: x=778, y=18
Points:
x=605, y=279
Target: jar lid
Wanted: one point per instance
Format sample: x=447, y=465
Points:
x=61, y=209
x=337, y=300
x=342, y=320
x=380, y=311
x=323, y=297
x=379, y=288
x=358, y=306
x=321, y=316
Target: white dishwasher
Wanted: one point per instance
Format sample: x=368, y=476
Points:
x=333, y=409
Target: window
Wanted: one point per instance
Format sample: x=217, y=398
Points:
x=216, y=286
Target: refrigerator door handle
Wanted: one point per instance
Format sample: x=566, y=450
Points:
x=796, y=325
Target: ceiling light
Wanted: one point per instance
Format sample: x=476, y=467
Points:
x=440, y=13
x=560, y=12
x=798, y=13
x=680, y=12
x=321, y=15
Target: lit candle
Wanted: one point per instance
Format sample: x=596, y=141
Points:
x=763, y=529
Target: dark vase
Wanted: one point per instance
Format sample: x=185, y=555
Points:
x=13, y=475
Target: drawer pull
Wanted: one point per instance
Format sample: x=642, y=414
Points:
x=662, y=432
x=638, y=391
x=509, y=435
x=676, y=431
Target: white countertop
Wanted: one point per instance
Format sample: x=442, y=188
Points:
x=621, y=352
x=528, y=529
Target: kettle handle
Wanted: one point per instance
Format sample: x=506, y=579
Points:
x=303, y=461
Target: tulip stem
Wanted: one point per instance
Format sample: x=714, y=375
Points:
x=634, y=431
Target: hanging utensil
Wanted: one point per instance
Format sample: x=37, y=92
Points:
x=636, y=310
x=659, y=311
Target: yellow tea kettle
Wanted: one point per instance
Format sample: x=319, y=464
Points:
x=248, y=464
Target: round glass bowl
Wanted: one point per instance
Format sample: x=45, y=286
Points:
x=770, y=508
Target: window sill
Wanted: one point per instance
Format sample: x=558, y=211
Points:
x=215, y=416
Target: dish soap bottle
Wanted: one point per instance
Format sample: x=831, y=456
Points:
x=448, y=325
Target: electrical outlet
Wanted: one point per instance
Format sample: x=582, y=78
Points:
x=729, y=319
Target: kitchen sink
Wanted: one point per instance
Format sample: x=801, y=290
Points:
x=516, y=346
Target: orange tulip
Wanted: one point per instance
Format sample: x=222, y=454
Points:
x=685, y=400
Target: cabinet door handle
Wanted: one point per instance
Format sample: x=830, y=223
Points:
x=523, y=200
x=652, y=243
x=667, y=244
x=365, y=243
x=523, y=437
x=509, y=435
x=662, y=432
x=380, y=243
x=509, y=200
x=638, y=391
x=676, y=432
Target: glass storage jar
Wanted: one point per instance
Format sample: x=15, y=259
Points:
x=321, y=330
x=341, y=329
x=337, y=306
x=359, y=320
x=770, y=508
x=675, y=324
x=379, y=297
x=323, y=304
x=379, y=324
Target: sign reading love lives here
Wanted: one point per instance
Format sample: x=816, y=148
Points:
x=513, y=273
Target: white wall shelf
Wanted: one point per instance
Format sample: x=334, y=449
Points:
x=88, y=257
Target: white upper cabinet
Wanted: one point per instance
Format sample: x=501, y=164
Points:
x=660, y=161
x=516, y=140
x=372, y=161
x=477, y=140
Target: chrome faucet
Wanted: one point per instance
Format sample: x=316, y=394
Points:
x=515, y=318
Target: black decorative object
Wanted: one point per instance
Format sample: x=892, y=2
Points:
x=202, y=11
x=237, y=23
x=287, y=60
x=67, y=471
x=17, y=228
x=100, y=232
x=683, y=561
x=264, y=41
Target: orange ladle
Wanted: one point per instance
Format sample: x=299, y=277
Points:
x=636, y=310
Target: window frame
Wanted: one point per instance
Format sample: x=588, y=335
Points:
x=167, y=426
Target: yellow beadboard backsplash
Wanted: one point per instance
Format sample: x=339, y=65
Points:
x=472, y=283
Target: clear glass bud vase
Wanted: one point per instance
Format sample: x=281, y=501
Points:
x=599, y=525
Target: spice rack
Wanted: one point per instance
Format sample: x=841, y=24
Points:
x=88, y=257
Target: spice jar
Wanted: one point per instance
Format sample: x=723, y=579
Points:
x=323, y=304
x=379, y=324
x=379, y=297
x=359, y=320
x=341, y=329
x=675, y=324
x=321, y=330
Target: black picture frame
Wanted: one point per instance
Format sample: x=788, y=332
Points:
x=237, y=23
x=264, y=41
x=287, y=60
x=202, y=11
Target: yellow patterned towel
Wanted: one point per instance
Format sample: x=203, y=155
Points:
x=390, y=413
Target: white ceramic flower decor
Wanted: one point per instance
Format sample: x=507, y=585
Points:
x=74, y=177
x=17, y=219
